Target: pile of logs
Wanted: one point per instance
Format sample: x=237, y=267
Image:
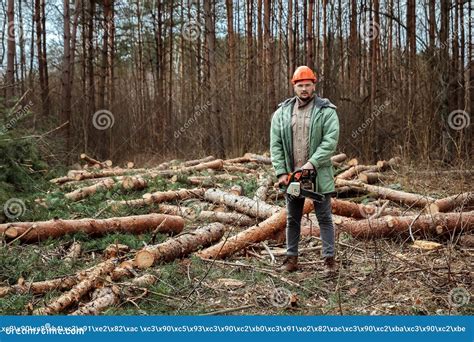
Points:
x=227, y=221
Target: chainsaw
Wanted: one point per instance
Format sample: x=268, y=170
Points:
x=301, y=183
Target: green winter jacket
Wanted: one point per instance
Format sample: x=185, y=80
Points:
x=324, y=135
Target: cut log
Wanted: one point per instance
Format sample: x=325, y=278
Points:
x=235, y=168
x=198, y=161
x=171, y=195
x=250, y=158
x=92, y=280
x=236, y=190
x=356, y=170
x=180, y=246
x=115, y=250
x=338, y=158
x=152, y=173
x=254, y=234
x=178, y=210
x=358, y=211
x=258, y=158
x=353, y=162
x=73, y=253
x=465, y=199
x=93, y=161
x=387, y=226
x=102, y=298
x=370, y=177
x=264, y=183
x=241, y=204
x=195, y=213
x=133, y=183
x=391, y=164
x=235, y=219
x=116, y=205
x=81, y=193
x=36, y=231
x=41, y=287
x=393, y=195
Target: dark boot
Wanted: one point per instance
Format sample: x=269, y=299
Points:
x=290, y=264
x=331, y=266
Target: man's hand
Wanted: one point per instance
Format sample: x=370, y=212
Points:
x=307, y=166
x=283, y=179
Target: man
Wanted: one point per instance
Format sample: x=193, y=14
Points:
x=304, y=134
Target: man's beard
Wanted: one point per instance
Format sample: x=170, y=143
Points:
x=306, y=96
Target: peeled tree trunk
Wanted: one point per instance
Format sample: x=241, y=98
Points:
x=241, y=204
x=198, y=161
x=196, y=214
x=432, y=224
x=102, y=298
x=264, y=183
x=152, y=173
x=84, y=192
x=36, y=231
x=258, y=233
x=172, y=195
x=393, y=195
x=180, y=246
x=92, y=280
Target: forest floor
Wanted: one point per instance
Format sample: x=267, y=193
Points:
x=376, y=277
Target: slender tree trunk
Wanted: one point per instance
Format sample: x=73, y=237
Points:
x=11, y=48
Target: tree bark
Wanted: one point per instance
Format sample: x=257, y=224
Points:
x=11, y=51
x=180, y=246
x=241, y=204
x=387, y=226
x=87, y=191
x=393, y=195
x=93, y=279
x=254, y=234
x=465, y=199
x=36, y=231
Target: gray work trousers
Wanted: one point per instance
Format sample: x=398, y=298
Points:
x=294, y=206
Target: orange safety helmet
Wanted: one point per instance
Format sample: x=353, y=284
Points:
x=303, y=73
